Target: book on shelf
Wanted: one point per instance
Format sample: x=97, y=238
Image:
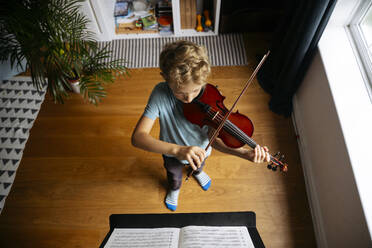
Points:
x=148, y=21
x=128, y=30
x=121, y=8
x=188, y=14
x=125, y=21
x=154, y=27
x=188, y=236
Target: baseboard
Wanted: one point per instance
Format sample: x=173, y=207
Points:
x=309, y=176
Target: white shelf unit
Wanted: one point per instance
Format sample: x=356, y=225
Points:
x=192, y=32
x=100, y=12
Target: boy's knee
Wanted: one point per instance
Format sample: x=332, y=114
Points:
x=175, y=185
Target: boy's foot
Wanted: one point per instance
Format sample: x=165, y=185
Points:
x=204, y=180
x=171, y=199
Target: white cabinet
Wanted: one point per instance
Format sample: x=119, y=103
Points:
x=100, y=12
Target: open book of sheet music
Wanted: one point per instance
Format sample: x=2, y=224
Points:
x=186, y=237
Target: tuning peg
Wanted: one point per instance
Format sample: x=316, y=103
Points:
x=274, y=168
x=269, y=166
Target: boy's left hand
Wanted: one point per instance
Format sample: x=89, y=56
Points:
x=258, y=155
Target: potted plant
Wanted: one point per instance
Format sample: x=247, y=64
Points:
x=52, y=38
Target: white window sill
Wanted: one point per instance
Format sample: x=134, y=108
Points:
x=353, y=107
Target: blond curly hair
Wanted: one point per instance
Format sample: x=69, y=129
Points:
x=182, y=62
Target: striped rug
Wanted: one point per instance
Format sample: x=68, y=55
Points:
x=223, y=50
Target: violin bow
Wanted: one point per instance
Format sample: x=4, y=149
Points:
x=217, y=131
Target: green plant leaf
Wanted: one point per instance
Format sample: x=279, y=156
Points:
x=52, y=37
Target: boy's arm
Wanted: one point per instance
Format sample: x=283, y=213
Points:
x=141, y=138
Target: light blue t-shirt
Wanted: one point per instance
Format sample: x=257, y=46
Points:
x=174, y=127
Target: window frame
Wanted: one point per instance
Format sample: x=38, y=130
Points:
x=359, y=44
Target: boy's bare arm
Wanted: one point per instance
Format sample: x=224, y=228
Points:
x=141, y=138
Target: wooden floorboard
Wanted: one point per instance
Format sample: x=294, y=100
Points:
x=79, y=167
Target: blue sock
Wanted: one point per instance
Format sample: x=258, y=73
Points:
x=204, y=180
x=171, y=200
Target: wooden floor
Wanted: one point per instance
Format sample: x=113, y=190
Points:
x=79, y=167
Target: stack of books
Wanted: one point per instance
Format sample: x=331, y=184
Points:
x=124, y=17
x=149, y=23
x=163, y=11
x=165, y=25
x=130, y=19
x=163, y=8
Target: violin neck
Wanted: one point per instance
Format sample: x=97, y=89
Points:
x=230, y=127
x=239, y=134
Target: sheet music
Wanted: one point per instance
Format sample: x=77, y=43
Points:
x=215, y=236
x=143, y=238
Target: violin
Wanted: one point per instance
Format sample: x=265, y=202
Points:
x=208, y=109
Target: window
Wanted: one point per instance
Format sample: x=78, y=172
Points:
x=360, y=30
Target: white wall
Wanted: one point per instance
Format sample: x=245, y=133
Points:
x=338, y=215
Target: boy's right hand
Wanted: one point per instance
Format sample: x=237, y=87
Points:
x=195, y=155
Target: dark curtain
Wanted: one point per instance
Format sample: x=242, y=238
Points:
x=292, y=49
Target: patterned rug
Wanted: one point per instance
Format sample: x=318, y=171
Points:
x=19, y=106
x=223, y=50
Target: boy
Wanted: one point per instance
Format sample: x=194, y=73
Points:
x=185, y=68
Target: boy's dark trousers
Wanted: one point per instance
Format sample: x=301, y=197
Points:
x=174, y=171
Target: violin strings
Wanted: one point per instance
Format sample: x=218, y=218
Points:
x=233, y=129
